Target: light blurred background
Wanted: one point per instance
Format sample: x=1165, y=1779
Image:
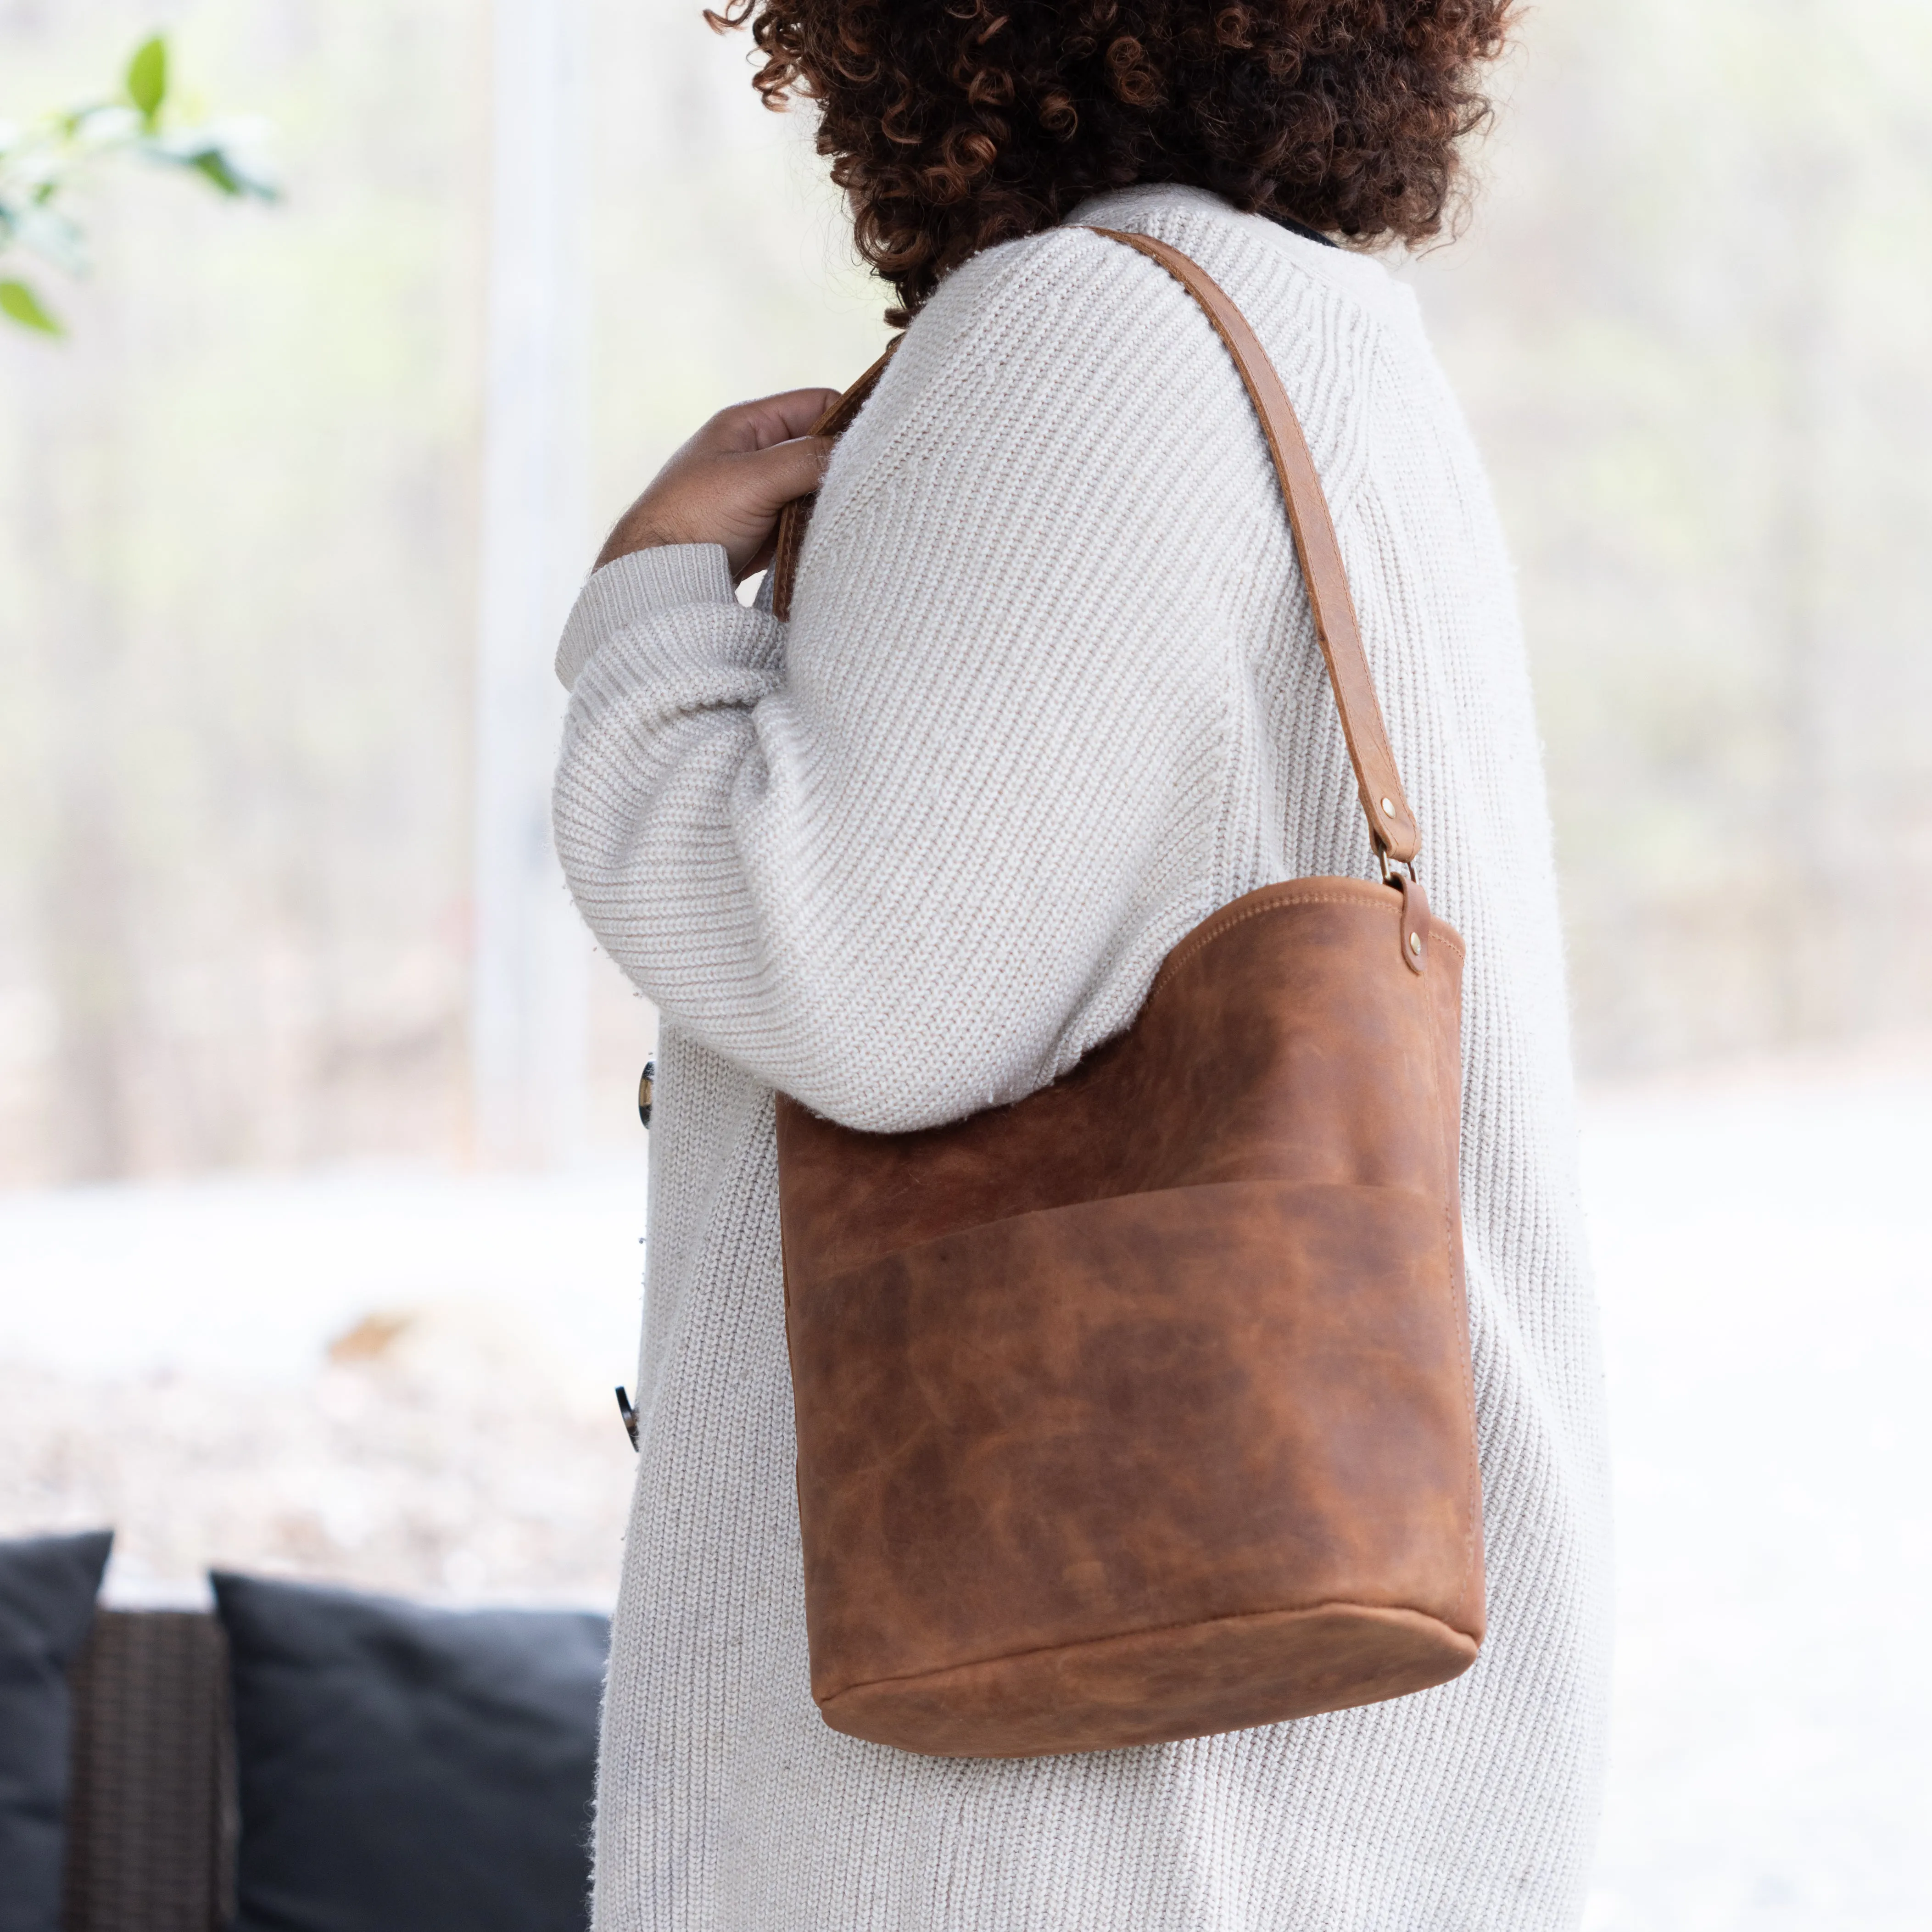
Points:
x=321, y=1179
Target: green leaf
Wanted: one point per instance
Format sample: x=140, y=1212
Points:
x=148, y=77
x=20, y=304
x=214, y=163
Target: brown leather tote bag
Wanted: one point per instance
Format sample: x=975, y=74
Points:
x=1140, y=1408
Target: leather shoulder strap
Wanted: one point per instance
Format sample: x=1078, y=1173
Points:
x=1392, y=826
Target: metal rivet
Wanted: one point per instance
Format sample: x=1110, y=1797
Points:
x=1388, y=807
x=1415, y=944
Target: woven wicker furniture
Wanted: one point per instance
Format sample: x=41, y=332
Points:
x=151, y=1822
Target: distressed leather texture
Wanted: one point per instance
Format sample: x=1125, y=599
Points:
x=1141, y=1409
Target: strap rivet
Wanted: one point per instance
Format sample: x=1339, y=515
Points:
x=1388, y=807
x=1415, y=944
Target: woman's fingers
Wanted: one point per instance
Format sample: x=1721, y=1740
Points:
x=770, y=420
x=727, y=484
x=725, y=487
x=787, y=469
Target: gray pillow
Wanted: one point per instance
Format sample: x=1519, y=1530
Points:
x=47, y=1588
x=405, y=1769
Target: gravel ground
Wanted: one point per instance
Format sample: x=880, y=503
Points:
x=404, y=1382
x=398, y=1380
x=441, y=1453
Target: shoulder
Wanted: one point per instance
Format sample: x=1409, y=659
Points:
x=1032, y=368
x=1051, y=344
x=1051, y=373
x=1066, y=319
x=1069, y=334
x=1255, y=251
x=1345, y=335
x=1257, y=260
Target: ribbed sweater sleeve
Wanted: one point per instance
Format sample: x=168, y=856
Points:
x=885, y=857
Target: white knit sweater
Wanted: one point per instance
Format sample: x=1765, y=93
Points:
x=1049, y=695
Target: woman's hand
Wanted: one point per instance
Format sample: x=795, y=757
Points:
x=727, y=484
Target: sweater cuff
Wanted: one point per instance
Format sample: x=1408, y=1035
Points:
x=640, y=584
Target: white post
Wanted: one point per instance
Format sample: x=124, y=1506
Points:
x=532, y=955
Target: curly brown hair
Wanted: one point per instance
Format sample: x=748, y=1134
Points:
x=953, y=124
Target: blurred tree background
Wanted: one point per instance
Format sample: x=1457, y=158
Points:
x=239, y=534
x=1689, y=323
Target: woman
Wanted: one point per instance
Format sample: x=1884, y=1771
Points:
x=1049, y=695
